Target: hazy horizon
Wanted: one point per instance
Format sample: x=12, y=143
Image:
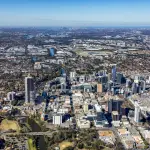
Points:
x=74, y=13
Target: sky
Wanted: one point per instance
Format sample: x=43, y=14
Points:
x=74, y=12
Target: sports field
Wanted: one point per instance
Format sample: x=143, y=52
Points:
x=65, y=144
x=9, y=125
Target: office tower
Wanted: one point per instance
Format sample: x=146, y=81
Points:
x=135, y=88
x=62, y=72
x=109, y=85
x=143, y=85
x=82, y=79
x=109, y=77
x=44, y=94
x=57, y=119
x=86, y=108
x=100, y=120
x=11, y=96
x=99, y=88
x=121, y=91
x=63, y=87
x=120, y=78
x=128, y=81
x=103, y=79
x=88, y=78
x=29, y=90
x=113, y=90
x=102, y=73
x=51, y=52
x=44, y=117
x=114, y=73
x=110, y=106
x=37, y=66
x=33, y=59
x=72, y=75
x=137, y=113
x=115, y=116
x=115, y=105
x=87, y=88
x=136, y=79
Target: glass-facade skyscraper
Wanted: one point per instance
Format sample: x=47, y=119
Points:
x=29, y=90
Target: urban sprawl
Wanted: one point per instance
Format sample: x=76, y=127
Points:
x=74, y=88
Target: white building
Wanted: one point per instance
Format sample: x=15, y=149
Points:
x=86, y=107
x=83, y=123
x=82, y=79
x=137, y=113
x=72, y=75
x=11, y=96
x=37, y=66
x=57, y=119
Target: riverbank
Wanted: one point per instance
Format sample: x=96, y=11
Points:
x=31, y=145
x=40, y=140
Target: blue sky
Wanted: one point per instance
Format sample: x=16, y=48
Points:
x=74, y=12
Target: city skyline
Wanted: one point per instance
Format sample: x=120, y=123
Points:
x=74, y=13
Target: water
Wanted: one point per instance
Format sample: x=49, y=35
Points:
x=40, y=139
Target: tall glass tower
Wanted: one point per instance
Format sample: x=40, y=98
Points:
x=29, y=90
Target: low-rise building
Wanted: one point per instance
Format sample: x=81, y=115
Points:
x=83, y=123
x=107, y=136
x=128, y=142
x=146, y=135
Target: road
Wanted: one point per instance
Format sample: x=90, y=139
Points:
x=48, y=133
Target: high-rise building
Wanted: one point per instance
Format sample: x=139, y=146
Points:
x=115, y=116
x=128, y=82
x=136, y=79
x=86, y=108
x=114, y=73
x=82, y=79
x=57, y=119
x=103, y=79
x=29, y=90
x=11, y=96
x=115, y=105
x=110, y=103
x=102, y=73
x=87, y=88
x=120, y=78
x=109, y=85
x=135, y=88
x=109, y=77
x=62, y=72
x=143, y=85
x=63, y=87
x=137, y=113
x=52, y=52
x=72, y=75
x=99, y=88
x=33, y=59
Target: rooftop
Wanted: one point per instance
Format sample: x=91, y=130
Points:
x=106, y=133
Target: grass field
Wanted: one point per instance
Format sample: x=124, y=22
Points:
x=65, y=144
x=81, y=53
x=9, y=125
x=30, y=144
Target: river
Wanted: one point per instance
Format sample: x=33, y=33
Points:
x=40, y=142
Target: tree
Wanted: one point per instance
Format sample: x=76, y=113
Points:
x=14, y=102
x=69, y=148
x=80, y=145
